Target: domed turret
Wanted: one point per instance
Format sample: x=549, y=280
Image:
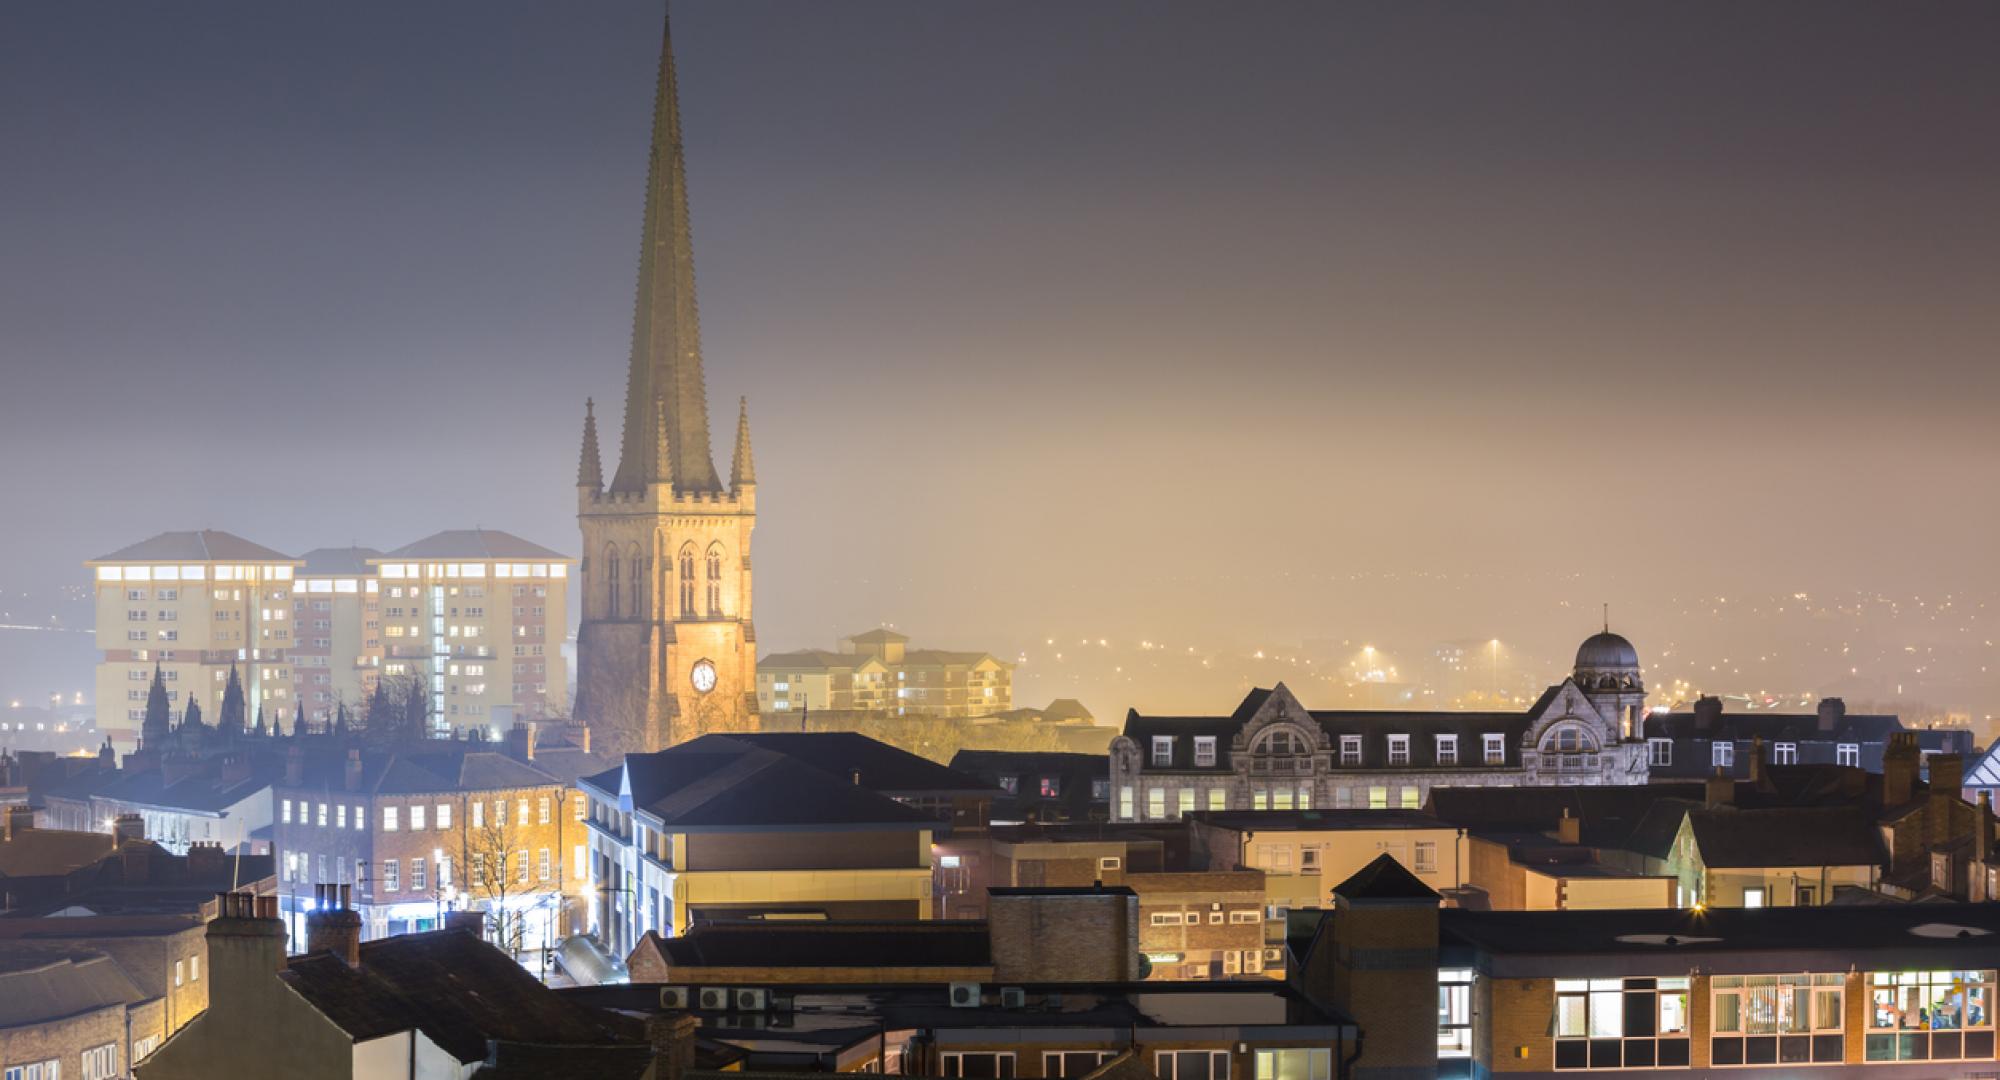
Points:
x=1607, y=653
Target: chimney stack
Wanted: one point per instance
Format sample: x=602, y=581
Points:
x=1947, y=774
x=521, y=741
x=235, y=768
x=1832, y=711
x=582, y=736
x=1721, y=790
x=333, y=927
x=1982, y=833
x=20, y=819
x=246, y=950
x=205, y=860
x=470, y=920
x=673, y=1039
x=353, y=776
x=1900, y=760
x=126, y=827
x=295, y=765
x=1707, y=710
x=1757, y=759
x=1569, y=830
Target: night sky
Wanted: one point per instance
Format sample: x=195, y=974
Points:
x=1173, y=320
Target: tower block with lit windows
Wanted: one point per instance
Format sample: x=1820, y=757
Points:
x=666, y=651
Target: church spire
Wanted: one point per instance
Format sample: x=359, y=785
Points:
x=663, y=450
x=742, y=470
x=589, y=467
x=666, y=332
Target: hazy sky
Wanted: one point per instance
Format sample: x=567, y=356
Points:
x=1140, y=317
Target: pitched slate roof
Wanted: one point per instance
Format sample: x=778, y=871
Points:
x=473, y=544
x=882, y=767
x=44, y=852
x=201, y=545
x=204, y=789
x=1773, y=727
x=725, y=784
x=1315, y=820
x=459, y=991
x=1384, y=879
x=1374, y=725
x=41, y=984
x=1609, y=814
x=424, y=768
x=339, y=560
x=818, y=660
x=1809, y=836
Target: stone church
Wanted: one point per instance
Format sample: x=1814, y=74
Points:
x=666, y=650
x=1272, y=753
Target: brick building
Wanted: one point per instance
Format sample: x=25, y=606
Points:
x=434, y=827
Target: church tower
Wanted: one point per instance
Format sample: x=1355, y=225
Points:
x=666, y=650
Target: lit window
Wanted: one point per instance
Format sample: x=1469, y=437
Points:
x=388, y=819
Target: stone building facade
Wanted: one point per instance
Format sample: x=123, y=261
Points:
x=666, y=650
x=1272, y=753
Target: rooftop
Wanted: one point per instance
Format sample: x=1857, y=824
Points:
x=198, y=546
x=473, y=544
x=458, y=990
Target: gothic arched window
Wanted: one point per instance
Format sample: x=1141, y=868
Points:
x=634, y=582
x=611, y=582
x=687, y=582
x=715, y=582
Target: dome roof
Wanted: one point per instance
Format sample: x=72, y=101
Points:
x=1606, y=651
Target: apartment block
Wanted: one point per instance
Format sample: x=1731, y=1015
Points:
x=194, y=604
x=877, y=672
x=337, y=632
x=481, y=616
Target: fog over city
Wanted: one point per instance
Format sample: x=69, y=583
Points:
x=1423, y=325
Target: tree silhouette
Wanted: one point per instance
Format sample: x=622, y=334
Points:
x=229, y=719
x=159, y=720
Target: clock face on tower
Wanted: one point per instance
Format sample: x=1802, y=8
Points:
x=703, y=676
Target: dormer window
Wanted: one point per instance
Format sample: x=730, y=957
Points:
x=1399, y=749
x=1350, y=750
x=1495, y=750
x=1447, y=749
x=1204, y=751
x=1163, y=751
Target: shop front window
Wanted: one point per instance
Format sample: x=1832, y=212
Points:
x=1930, y=1015
x=1621, y=1023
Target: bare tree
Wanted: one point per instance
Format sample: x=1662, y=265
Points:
x=500, y=865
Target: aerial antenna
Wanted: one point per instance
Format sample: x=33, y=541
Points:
x=1607, y=618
